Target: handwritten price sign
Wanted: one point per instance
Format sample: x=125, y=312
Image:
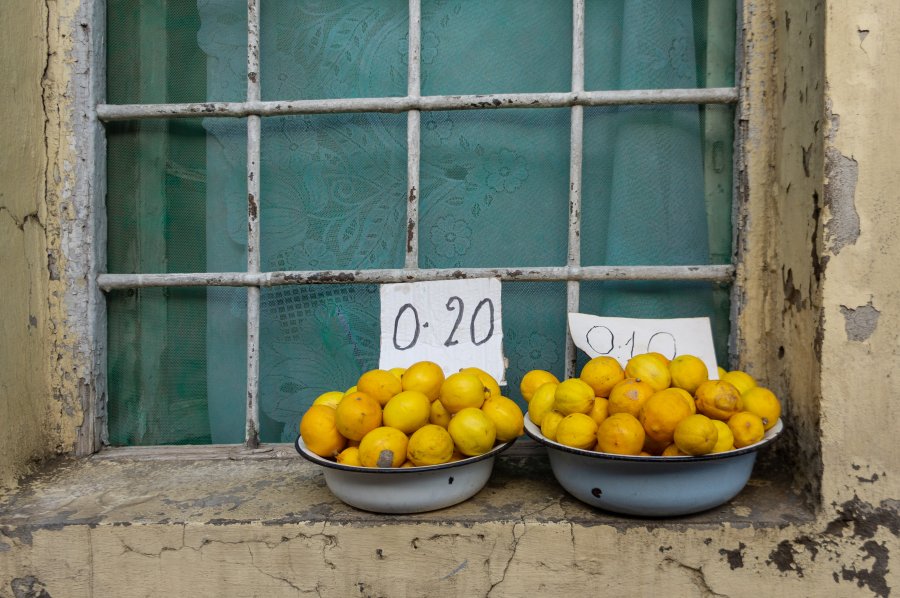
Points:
x=454, y=323
x=623, y=338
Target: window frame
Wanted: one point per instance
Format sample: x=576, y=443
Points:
x=88, y=248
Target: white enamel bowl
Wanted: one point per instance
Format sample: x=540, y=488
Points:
x=651, y=486
x=399, y=490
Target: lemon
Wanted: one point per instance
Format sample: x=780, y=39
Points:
x=542, y=402
x=573, y=396
x=383, y=447
x=356, y=415
x=350, y=390
x=718, y=399
x=472, y=431
x=507, y=417
x=600, y=410
x=534, y=379
x=319, y=431
x=381, y=385
x=489, y=382
x=430, y=445
x=397, y=372
x=726, y=438
x=550, y=424
x=652, y=446
x=349, y=456
x=620, y=434
x=747, y=428
x=577, y=430
x=330, y=399
x=688, y=372
x=685, y=396
x=628, y=396
x=601, y=374
x=662, y=358
x=763, y=403
x=439, y=416
x=462, y=390
x=424, y=376
x=740, y=379
x=696, y=435
x=407, y=411
x=721, y=371
x=651, y=369
x=661, y=413
x=673, y=451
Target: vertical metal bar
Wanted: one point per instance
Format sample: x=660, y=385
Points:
x=575, y=160
x=413, y=134
x=253, y=154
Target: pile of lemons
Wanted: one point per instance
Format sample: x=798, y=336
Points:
x=411, y=417
x=652, y=406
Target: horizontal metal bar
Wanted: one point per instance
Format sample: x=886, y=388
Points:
x=716, y=95
x=709, y=273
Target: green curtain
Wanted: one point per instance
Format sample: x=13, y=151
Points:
x=494, y=187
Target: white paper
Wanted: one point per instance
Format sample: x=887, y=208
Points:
x=623, y=338
x=454, y=323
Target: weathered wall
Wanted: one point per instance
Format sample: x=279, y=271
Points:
x=24, y=333
x=819, y=318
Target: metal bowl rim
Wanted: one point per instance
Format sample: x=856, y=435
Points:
x=314, y=458
x=536, y=435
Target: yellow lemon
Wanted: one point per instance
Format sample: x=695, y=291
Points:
x=725, y=440
x=696, y=435
x=550, y=424
x=439, y=416
x=472, y=431
x=331, y=398
x=662, y=358
x=350, y=390
x=601, y=374
x=661, y=413
x=573, y=396
x=507, y=417
x=628, y=396
x=397, y=372
x=462, y=390
x=542, y=402
x=620, y=434
x=688, y=372
x=600, y=410
x=424, y=376
x=721, y=371
x=430, y=445
x=534, y=379
x=673, y=451
x=685, y=396
x=740, y=379
x=489, y=381
x=349, y=456
x=747, y=428
x=356, y=415
x=763, y=403
x=407, y=411
x=577, y=430
x=718, y=399
x=383, y=447
x=653, y=447
x=319, y=432
x=381, y=385
x=650, y=369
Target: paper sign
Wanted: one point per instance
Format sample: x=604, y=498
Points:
x=454, y=323
x=623, y=338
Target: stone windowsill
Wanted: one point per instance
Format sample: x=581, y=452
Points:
x=275, y=486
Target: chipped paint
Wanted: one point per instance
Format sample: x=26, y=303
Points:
x=860, y=322
x=842, y=174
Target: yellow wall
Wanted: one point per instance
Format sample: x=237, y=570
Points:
x=820, y=324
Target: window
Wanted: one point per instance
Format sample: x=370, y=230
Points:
x=255, y=199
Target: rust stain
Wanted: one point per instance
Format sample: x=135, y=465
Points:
x=251, y=206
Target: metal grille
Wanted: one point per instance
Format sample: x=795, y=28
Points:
x=253, y=109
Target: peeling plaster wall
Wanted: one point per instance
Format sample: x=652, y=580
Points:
x=861, y=216
x=24, y=311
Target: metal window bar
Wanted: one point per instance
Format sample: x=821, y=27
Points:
x=413, y=104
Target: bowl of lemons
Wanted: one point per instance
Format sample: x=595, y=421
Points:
x=409, y=440
x=655, y=438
